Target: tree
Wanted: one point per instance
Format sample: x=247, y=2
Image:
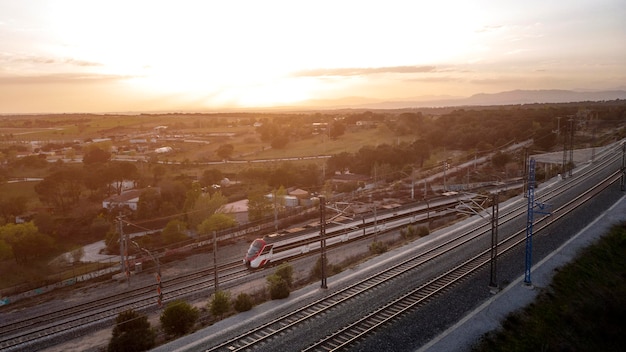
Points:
x=339, y=162
x=279, y=142
x=95, y=155
x=149, y=204
x=224, y=151
x=158, y=171
x=210, y=177
x=178, y=318
x=259, y=206
x=174, y=232
x=62, y=189
x=118, y=172
x=12, y=207
x=220, y=304
x=205, y=206
x=216, y=222
x=337, y=129
x=132, y=332
x=26, y=242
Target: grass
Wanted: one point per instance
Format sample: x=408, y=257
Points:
x=584, y=308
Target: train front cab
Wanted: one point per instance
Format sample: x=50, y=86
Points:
x=259, y=254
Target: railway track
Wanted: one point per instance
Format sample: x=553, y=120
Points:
x=263, y=334
x=24, y=334
x=352, y=333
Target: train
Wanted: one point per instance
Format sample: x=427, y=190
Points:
x=275, y=248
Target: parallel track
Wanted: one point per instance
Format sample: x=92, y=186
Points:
x=24, y=333
x=282, y=325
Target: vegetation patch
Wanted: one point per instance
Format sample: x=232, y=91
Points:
x=583, y=309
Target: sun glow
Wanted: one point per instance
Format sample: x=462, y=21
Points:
x=190, y=53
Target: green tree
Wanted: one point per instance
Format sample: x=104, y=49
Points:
x=26, y=242
x=220, y=303
x=117, y=172
x=174, y=232
x=279, y=142
x=337, y=129
x=205, y=206
x=95, y=155
x=210, y=177
x=259, y=206
x=12, y=207
x=149, y=204
x=224, y=151
x=132, y=332
x=178, y=318
x=216, y=222
x=62, y=189
x=158, y=171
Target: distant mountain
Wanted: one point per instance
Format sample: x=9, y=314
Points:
x=513, y=97
x=543, y=96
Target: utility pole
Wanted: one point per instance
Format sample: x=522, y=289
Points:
x=495, y=210
x=623, y=178
x=571, y=146
x=529, y=221
x=323, y=240
x=530, y=212
x=124, y=249
x=215, y=283
x=155, y=259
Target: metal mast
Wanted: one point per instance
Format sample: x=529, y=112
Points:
x=529, y=220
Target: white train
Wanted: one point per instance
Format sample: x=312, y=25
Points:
x=277, y=248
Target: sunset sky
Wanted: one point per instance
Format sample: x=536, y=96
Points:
x=121, y=56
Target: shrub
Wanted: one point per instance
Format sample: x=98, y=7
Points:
x=220, y=303
x=243, y=302
x=316, y=272
x=412, y=231
x=285, y=271
x=378, y=247
x=178, y=318
x=132, y=332
x=279, y=288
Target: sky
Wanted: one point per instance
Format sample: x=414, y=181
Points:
x=70, y=56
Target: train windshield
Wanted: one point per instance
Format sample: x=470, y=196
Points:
x=255, y=247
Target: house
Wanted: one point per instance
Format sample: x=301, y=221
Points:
x=128, y=199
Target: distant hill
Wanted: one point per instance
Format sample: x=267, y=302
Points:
x=513, y=97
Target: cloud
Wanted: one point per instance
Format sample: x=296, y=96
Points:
x=41, y=60
x=486, y=29
x=60, y=78
x=360, y=71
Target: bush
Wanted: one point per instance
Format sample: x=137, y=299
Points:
x=243, y=302
x=378, y=247
x=132, y=332
x=178, y=318
x=316, y=272
x=279, y=288
x=285, y=271
x=220, y=303
x=412, y=231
